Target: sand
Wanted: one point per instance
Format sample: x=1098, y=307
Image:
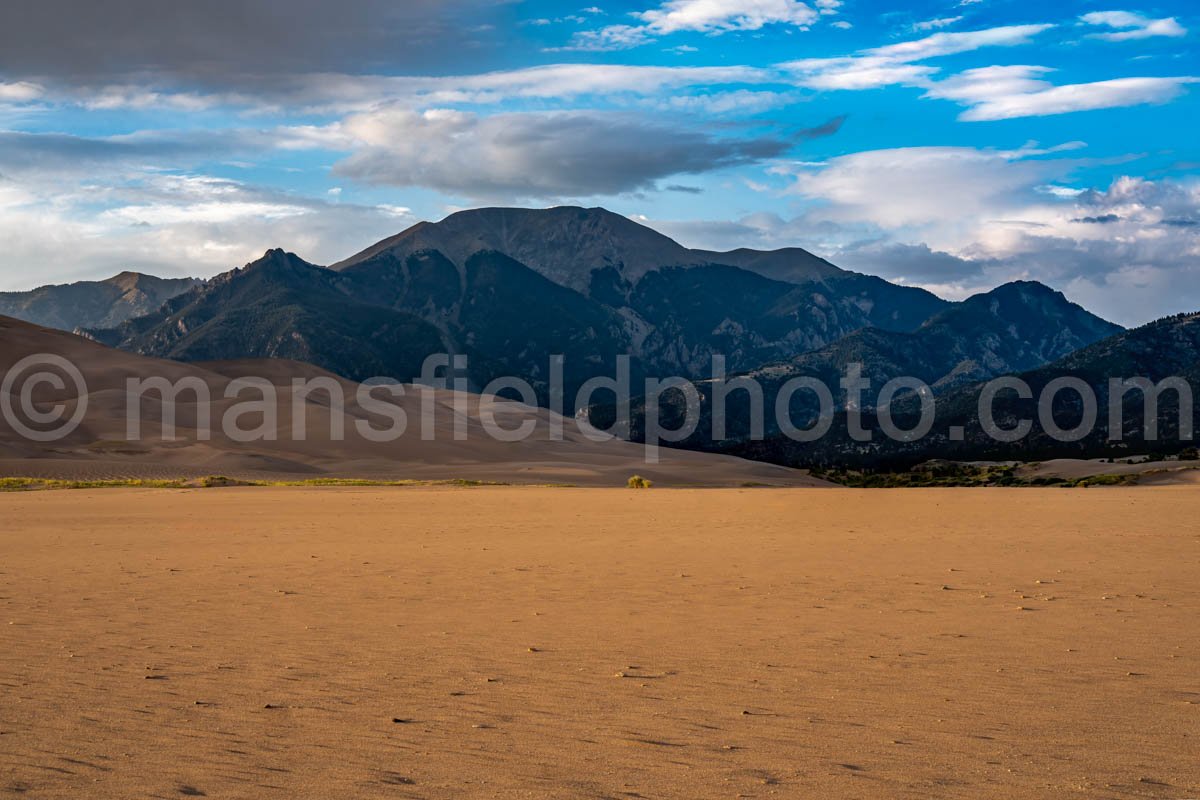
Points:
x=563, y=643
x=100, y=449
x=1144, y=472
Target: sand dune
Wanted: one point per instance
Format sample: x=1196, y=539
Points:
x=521, y=642
x=1146, y=472
x=99, y=447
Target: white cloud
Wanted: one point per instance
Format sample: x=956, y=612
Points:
x=1060, y=191
x=574, y=80
x=934, y=24
x=1013, y=97
x=13, y=196
x=111, y=98
x=920, y=186
x=958, y=220
x=710, y=16
x=213, y=212
x=944, y=44
x=990, y=93
x=613, y=37
x=703, y=16
x=975, y=86
x=1129, y=252
x=741, y=102
x=858, y=73
x=1129, y=25
x=20, y=92
x=170, y=225
x=897, y=63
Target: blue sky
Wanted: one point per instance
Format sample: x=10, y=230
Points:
x=951, y=145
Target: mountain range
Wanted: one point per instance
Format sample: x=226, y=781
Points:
x=509, y=288
x=281, y=307
x=1015, y=327
x=94, y=304
x=1165, y=349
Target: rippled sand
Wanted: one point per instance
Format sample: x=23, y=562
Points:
x=518, y=642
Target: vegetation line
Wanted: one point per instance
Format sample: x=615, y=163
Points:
x=946, y=474
x=214, y=482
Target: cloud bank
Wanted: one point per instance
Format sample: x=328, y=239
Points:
x=534, y=155
x=959, y=220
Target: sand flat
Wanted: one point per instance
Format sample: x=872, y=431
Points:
x=569, y=643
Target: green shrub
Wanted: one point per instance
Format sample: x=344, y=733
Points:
x=638, y=482
x=1106, y=480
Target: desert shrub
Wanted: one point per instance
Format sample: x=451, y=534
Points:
x=222, y=482
x=638, y=482
x=1046, y=480
x=28, y=484
x=1189, y=454
x=1106, y=480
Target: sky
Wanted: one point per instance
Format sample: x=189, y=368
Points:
x=949, y=144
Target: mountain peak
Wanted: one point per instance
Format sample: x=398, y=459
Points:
x=565, y=244
x=1026, y=299
x=94, y=304
x=277, y=257
x=125, y=277
x=129, y=280
x=1024, y=288
x=277, y=254
x=559, y=214
x=130, y=283
x=1016, y=326
x=568, y=243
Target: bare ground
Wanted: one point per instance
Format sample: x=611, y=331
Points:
x=519, y=642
